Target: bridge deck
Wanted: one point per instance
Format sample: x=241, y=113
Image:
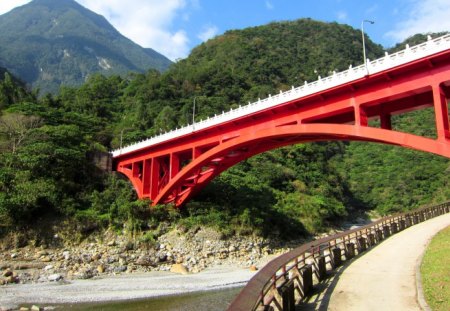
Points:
x=351, y=75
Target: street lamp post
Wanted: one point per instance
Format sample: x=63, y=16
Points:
x=193, y=115
x=364, y=42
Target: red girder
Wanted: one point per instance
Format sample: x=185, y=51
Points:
x=173, y=171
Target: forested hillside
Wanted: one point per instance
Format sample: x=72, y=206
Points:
x=44, y=166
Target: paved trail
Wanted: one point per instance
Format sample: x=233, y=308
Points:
x=384, y=278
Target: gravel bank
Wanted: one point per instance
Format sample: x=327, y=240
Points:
x=123, y=287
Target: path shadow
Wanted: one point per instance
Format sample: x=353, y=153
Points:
x=320, y=299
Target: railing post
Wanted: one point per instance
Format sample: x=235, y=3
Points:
x=371, y=239
x=321, y=268
x=379, y=235
x=408, y=221
x=349, y=251
x=307, y=280
x=421, y=217
x=401, y=225
x=336, y=257
x=386, y=232
x=287, y=293
x=394, y=228
x=361, y=244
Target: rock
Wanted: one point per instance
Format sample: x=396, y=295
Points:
x=24, y=309
x=36, y=308
x=101, y=269
x=48, y=267
x=2, y=282
x=7, y=308
x=66, y=255
x=55, y=277
x=14, y=255
x=123, y=262
x=12, y=279
x=42, y=253
x=46, y=259
x=7, y=273
x=120, y=269
x=84, y=274
x=144, y=260
x=111, y=243
x=178, y=268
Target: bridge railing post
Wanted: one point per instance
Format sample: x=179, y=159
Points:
x=371, y=239
x=386, y=232
x=379, y=235
x=321, y=268
x=336, y=258
x=349, y=251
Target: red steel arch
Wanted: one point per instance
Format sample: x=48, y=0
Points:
x=172, y=170
x=203, y=169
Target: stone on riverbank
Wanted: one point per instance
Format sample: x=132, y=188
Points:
x=179, y=268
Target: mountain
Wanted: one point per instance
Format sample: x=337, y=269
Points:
x=49, y=43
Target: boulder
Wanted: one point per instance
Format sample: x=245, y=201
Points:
x=179, y=268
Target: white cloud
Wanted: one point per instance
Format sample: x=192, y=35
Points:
x=342, y=16
x=146, y=22
x=208, y=33
x=423, y=17
x=6, y=6
x=269, y=5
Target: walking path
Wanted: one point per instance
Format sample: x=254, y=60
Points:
x=384, y=278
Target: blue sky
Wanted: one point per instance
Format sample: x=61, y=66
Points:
x=174, y=27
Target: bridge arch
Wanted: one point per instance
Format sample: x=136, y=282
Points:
x=203, y=169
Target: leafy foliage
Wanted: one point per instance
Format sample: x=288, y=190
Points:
x=285, y=192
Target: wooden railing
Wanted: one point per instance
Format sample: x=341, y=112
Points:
x=290, y=278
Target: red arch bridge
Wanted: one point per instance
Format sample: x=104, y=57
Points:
x=172, y=167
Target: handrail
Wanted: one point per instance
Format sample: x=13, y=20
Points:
x=292, y=272
x=431, y=47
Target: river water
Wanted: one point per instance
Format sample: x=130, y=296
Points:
x=199, y=301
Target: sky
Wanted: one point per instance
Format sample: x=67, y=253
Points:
x=174, y=27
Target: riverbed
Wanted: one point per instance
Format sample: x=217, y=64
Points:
x=206, y=287
x=216, y=300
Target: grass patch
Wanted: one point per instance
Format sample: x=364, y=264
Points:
x=435, y=272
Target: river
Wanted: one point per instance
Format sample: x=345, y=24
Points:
x=217, y=300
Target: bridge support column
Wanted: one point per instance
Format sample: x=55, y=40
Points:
x=174, y=165
x=155, y=167
x=441, y=112
x=385, y=121
x=360, y=116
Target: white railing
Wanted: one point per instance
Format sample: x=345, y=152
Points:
x=409, y=54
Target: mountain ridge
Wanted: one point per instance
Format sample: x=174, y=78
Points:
x=49, y=43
